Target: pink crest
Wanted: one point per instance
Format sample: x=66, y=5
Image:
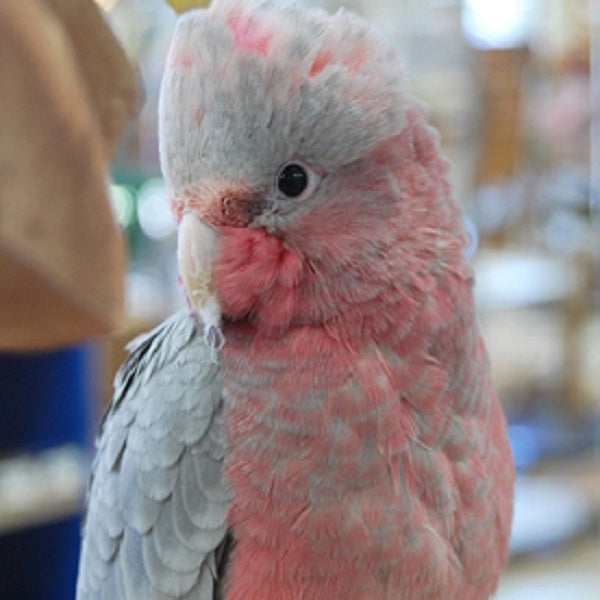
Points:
x=354, y=61
x=182, y=59
x=248, y=33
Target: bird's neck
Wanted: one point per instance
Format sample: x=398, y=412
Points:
x=320, y=426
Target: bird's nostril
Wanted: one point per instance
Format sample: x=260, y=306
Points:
x=227, y=207
x=239, y=208
x=233, y=209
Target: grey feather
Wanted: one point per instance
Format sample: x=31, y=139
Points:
x=156, y=517
x=209, y=476
x=174, y=554
x=165, y=579
x=206, y=583
x=203, y=540
x=114, y=446
x=114, y=523
x=112, y=587
x=105, y=544
x=131, y=565
x=139, y=510
x=158, y=484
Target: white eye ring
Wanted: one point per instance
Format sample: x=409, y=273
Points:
x=295, y=180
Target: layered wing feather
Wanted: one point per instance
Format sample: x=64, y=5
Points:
x=155, y=525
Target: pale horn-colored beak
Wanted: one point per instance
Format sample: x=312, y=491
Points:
x=196, y=250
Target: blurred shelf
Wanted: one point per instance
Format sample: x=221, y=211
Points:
x=41, y=488
x=556, y=543
x=573, y=573
x=548, y=513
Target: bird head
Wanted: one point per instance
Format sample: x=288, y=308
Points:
x=302, y=173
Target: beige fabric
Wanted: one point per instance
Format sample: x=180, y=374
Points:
x=67, y=92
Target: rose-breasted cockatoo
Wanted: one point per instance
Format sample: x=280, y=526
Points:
x=320, y=425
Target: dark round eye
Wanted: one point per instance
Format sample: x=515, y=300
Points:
x=292, y=180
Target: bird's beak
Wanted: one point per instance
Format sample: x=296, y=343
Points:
x=196, y=251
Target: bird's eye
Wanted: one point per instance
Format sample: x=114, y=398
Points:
x=292, y=180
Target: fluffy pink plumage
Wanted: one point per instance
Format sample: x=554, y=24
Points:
x=368, y=456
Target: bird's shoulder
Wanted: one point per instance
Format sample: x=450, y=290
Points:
x=155, y=524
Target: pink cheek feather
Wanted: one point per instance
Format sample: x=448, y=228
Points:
x=256, y=273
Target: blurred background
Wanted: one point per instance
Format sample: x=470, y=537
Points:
x=513, y=86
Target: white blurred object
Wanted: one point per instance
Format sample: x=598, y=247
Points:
x=107, y=5
x=41, y=488
x=547, y=512
x=498, y=24
x=526, y=350
x=519, y=278
x=154, y=215
x=123, y=203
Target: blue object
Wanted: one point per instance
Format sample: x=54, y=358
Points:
x=40, y=563
x=45, y=402
x=549, y=435
x=45, y=398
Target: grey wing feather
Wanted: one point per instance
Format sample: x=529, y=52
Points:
x=155, y=526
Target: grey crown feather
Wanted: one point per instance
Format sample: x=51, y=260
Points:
x=155, y=526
